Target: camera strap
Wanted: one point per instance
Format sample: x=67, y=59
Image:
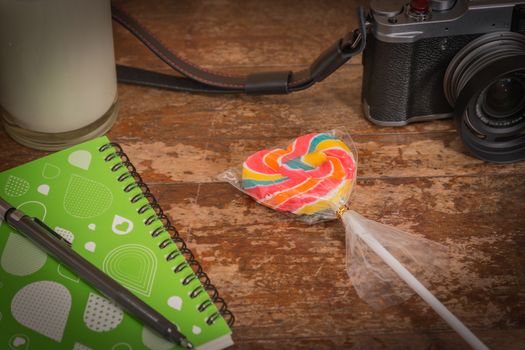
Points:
x=198, y=79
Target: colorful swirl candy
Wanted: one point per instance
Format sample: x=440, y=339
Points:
x=315, y=173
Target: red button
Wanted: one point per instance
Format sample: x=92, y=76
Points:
x=419, y=6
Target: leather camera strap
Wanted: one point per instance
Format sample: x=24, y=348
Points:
x=198, y=79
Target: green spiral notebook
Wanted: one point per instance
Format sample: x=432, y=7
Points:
x=89, y=195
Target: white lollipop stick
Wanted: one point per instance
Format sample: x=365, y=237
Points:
x=352, y=222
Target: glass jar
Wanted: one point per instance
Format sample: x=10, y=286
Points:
x=57, y=71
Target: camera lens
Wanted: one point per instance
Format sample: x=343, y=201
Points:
x=504, y=97
x=485, y=83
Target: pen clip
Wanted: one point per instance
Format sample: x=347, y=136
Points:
x=52, y=232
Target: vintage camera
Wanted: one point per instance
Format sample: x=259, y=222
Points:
x=434, y=59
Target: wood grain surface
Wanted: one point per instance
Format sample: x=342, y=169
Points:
x=285, y=280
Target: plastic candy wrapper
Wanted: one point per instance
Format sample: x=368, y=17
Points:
x=313, y=177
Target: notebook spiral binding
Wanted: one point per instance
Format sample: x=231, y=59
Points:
x=196, y=269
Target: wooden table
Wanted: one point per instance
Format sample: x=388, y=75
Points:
x=285, y=280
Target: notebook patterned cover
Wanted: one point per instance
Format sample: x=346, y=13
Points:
x=92, y=197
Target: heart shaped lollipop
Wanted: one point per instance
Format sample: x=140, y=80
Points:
x=314, y=173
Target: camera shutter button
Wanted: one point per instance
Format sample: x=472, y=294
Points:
x=419, y=6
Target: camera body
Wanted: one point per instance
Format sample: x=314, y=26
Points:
x=410, y=48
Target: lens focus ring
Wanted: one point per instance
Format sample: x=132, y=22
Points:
x=485, y=83
x=477, y=55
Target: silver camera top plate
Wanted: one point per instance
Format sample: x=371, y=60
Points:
x=392, y=21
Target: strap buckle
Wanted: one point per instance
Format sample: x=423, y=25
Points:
x=358, y=36
x=340, y=52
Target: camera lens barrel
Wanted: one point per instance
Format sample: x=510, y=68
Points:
x=478, y=54
x=500, y=143
x=485, y=82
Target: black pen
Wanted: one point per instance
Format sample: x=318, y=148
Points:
x=52, y=243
